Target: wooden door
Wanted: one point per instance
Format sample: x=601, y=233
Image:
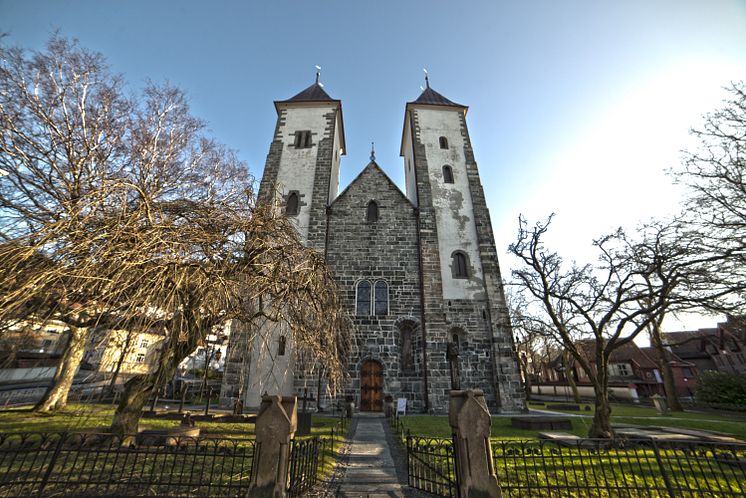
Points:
x=371, y=387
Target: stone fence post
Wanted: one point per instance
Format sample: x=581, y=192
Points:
x=470, y=421
x=275, y=426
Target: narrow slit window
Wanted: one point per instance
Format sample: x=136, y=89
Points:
x=443, y=142
x=382, y=298
x=281, y=342
x=447, y=174
x=460, y=265
x=292, y=205
x=372, y=213
x=363, y=298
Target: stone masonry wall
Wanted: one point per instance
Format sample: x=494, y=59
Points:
x=382, y=250
x=507, y=373
x=471, y=319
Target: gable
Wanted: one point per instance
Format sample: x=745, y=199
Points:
x=372, y=181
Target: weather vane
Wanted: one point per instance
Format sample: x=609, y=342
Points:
x=318, y=74
x=372, y=152
x=427, y=81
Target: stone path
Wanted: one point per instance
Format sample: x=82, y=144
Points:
x=370, y=469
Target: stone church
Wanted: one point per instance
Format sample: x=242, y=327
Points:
x=417, y=271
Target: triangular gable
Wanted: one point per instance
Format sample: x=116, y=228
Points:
x=376, y=168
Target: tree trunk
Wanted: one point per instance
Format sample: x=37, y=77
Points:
x=56, y=396
x=137, y=390
x=573, y=386
x=567, y=361
x=523, y=363
x=122, y=355
x=601, y=425
x=674, y=404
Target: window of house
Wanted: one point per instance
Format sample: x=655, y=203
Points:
x=447, y=174
x=382, y=298
x=281, y=342
x=460, y=265
x=443, y=142
x=363, y=298
x=303, y=139
x=140, y=358
x=372, y=212
x=292, y=205
x=144, y=343
x=687, y=372
x=623, y=370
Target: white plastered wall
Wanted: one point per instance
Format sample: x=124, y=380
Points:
x=336, y=158
x=409, y=163
x=298, y=165
x=452, y=201
x=270, y=372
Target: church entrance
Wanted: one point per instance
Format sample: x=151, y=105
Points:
x=371, y=387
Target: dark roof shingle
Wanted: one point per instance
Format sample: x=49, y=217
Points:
x=314, y=93
x=431, y=97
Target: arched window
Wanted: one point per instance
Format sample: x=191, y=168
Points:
x=382, y=298
x=372, y=213
x=443, y=142
x=291, y=207
x=460, y=265
x=447, y=174
x=363, y=298
x=281, y=342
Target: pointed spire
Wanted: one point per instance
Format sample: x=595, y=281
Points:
x=372, y=152
x=318, y=74
x=427, y=80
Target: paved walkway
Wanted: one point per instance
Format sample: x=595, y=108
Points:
x=370, y=472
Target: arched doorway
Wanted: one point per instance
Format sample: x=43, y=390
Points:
x=371, y=387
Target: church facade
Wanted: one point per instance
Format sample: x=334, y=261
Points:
x=417, y=271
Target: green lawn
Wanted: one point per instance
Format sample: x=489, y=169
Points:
x=87, y=417
x=732, y=423
x=437, y=426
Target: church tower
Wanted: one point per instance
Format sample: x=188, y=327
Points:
x=302, y=166
x=302, y=174
x=464, y=314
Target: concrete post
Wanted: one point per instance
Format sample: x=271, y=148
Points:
x=470, y=421
x=275, y=426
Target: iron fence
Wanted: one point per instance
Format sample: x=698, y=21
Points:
x=621, y=468
x=89, y=464
x=305, y=459
x=75, y=464
x=431, y=465
x=582, y=468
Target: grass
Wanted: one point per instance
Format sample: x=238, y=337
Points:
x=437, y=426
x=528, y=467
x=91, y=417
x=732, y=423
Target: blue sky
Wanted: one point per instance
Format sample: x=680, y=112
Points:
x=576, y=107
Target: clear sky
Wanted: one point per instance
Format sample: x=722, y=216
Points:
x=576, y=107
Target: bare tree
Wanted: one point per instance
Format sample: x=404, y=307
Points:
x=715, y=172
x=609, y=302
x=120, y=213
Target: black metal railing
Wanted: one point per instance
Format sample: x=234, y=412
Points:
x=431, y=465
x=74, y=464
x=77, y=464
x=630, y=468
x=305, y=459
x=584, y=467
x=397, y=425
